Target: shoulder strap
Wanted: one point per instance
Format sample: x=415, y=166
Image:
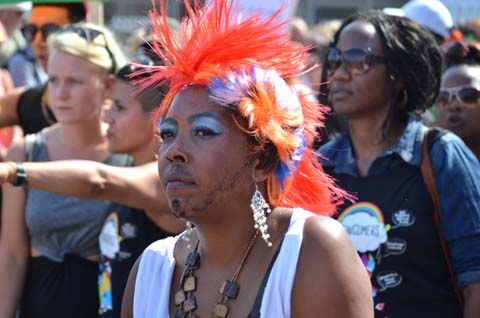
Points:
x=430, y=136
x=255, y=313
x=29, y=145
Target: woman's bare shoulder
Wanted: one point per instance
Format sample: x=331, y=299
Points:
x=330, y=277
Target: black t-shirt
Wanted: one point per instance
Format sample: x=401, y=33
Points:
x=31, y=116
x=393, y=228
x=125, y=234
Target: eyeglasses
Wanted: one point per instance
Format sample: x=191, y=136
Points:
x=356, y=60
x=90, y=35
x=466, y=95
x=30, y=30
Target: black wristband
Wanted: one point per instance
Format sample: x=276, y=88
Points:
x=21, y=177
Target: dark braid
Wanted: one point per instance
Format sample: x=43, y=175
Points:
x=413, y=58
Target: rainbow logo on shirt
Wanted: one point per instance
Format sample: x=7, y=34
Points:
x=365, y=208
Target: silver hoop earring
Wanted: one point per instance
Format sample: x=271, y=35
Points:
x=261, y=210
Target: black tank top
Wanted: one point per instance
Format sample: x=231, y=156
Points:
x=393, y=229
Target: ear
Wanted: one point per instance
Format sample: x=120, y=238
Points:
x=260, y=172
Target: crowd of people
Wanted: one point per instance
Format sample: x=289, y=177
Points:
x=329, y=170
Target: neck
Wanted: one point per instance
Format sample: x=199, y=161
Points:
x=223, y=244
x=474, y=145
x=368, y=141
x=83, y=134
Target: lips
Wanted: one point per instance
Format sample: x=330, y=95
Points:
x=178, y=179
x=339, y=93
x=455, y=121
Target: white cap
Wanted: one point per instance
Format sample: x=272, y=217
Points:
x=432, y=14
x=22, y=6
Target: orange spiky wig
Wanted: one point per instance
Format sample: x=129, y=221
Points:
x=244, y=63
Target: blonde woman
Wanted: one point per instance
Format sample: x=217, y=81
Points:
x=49, y=243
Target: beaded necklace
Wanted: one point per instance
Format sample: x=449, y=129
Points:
x=185, y=300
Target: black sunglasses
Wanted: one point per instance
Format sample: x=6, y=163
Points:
x=466, y=95
x=356, y=60
x=30, y=30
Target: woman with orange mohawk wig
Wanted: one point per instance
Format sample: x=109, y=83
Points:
x=236, y=163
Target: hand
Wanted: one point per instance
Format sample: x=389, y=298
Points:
x=8, y=171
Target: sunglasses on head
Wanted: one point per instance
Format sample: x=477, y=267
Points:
x=89, y=35
x=466, y=95
x=356, y=60
x=30, y=30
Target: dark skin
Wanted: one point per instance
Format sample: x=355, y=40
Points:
x=212, y=188
x=364, y=98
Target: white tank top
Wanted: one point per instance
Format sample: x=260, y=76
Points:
x=152, y=286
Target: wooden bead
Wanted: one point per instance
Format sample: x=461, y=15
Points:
x=220, y=310
x=193, y=260
x=189, y=284
x=179, y=297
x=230, y=289
x=190, y=304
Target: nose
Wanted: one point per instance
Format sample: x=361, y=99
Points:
x=38, y=38
x=455, y=104
x=341, y=73
x=59, y=90
x=107, y=115
x=175, y=151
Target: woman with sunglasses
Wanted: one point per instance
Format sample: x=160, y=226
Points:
x=49, y=249
x=382, y=71
x=29, y=108
x=458, y=102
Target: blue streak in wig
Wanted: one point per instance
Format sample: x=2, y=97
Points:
x=285, y=170
x=231, y=89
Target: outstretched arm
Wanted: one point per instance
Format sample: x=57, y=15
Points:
x=330, y=281
x=137, y=187
x=14, y=243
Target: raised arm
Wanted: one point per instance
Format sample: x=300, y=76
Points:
x=8, y=107
x=14, y=243
x=330, y=281
x=137, y=187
